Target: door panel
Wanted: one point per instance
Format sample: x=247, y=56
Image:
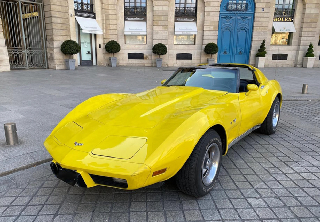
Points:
x=225, y=41
x=250, y=106
x=235, y=31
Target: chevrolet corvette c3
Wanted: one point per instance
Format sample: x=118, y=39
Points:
x=180, y=129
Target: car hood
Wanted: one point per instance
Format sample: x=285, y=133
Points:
x=120, y=129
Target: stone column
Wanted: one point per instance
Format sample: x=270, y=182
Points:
x=109, y=9
x=309, y=24
x=160, y=26
x=262, y=27
x=4, y=58
x=211, y=25
x=57, y=19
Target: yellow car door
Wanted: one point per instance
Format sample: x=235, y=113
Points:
x=250, y=100
x=250, y=108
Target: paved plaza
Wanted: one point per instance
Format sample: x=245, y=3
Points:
x=263, y=178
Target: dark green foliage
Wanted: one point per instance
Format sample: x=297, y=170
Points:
x=70, y=47
x=310, y=51
x=262, y=51
x=112, y=47
x=273, y=30
x=211, y=48
x=159, y=49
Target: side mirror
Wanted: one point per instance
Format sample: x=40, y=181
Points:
x=163, y=81
x=252, y=87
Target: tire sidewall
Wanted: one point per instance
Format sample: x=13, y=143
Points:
x=276, y=101
x=203, y=189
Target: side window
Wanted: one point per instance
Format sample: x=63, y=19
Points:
x=246, y=77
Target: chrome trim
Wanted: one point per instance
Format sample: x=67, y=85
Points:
x=243, y=135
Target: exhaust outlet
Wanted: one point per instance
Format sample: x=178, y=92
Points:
x=54, y=168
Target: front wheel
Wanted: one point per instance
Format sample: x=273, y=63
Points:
x=197, y=176
x=270, y=123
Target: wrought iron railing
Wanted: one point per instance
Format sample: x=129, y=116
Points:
x=83, y=7
x=135, y=10
x=284, y=12
x=186, y=12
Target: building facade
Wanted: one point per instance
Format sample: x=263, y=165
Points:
x=32, y=39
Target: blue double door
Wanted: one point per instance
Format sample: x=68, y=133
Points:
x=234, y=37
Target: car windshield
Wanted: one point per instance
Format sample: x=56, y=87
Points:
x=212, y=79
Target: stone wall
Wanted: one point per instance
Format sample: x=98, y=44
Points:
x=308, y=32
x=4, y=58
x=57, y=19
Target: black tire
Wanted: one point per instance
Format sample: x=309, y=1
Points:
x=190, y=177
x=267, y=127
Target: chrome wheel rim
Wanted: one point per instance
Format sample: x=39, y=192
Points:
x=210, y=164
x=276, y=114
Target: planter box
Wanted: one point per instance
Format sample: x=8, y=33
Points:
x=260, y=62
x=159, y=62
x=70, y=64
x=308, y=62
x=211, y=61
x=113, y=61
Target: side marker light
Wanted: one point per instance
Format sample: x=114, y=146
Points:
x=156, y=173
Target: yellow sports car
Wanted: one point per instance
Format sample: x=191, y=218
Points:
x=179, y=129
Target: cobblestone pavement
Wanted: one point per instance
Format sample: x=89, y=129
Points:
x=263, y=178
x=306, y=110
x=269, y=178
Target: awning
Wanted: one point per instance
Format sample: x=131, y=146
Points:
x=135, y=28
x=284, y=27
x=185, y=28
x=89, y=25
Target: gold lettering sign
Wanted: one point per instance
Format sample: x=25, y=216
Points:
x=282, y=19
x=29, y=15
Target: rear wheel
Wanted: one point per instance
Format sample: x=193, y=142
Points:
x=269, y=125
x=197, y=176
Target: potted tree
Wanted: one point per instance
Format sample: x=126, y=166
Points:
x=70, y=47
x=159, y=49
x=261, y=55
x=309, y=58
x=211, y=48
x=113, y=47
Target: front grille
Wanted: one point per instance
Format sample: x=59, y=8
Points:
x=108, y=181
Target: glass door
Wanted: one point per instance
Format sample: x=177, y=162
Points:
x=86, y=49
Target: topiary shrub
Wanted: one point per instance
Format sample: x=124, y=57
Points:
x=262, y=51
x=70, y=47
x=211, y=48
x=159, y=49
x=113, y=47
x=310, y=51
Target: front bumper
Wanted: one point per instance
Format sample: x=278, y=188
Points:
x=74, y=166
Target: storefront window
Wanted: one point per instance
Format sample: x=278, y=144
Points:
x=184, y=39
x=281, y=38
x=136, y=39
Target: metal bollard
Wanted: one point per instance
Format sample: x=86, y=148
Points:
x=304, y=89
x=10, y=130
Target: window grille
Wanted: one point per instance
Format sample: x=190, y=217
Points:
x=284, y=8
x=186, y=8
x=135, y=8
